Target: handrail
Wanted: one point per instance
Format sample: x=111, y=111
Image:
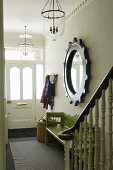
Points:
x=68, y=134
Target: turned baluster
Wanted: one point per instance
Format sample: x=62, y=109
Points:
x=110, y=126
x=76, y=150
x=96, y=160
x=85, y=143
x=102, y=153
x=80, y=147
x=90, y=151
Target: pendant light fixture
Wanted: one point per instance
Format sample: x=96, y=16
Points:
x=25, y=45
x=53, y=19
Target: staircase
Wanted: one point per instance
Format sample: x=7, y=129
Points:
x=92, y=133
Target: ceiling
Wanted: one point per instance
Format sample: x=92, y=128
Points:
x=18, y=13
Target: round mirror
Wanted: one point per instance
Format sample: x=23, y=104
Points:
x=76, y=71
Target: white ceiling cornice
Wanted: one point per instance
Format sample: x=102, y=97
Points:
x=79, y=5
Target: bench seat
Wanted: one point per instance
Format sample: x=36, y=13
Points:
x=57, y=122
x=55, y=131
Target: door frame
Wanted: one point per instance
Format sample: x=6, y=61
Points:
x=32, y=64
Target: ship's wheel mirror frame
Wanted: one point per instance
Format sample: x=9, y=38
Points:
x=76, y=71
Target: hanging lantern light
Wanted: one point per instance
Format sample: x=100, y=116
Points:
x=53, y=19
x=25, y=45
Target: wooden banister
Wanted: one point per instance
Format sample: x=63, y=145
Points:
x=68, y=134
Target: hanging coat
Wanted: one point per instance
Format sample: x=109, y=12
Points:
x=50, y=92
x=44, y=99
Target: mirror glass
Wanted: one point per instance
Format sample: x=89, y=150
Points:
x=76, y=71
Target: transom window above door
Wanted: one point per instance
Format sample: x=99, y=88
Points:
x=24, y=78
x=13, y=53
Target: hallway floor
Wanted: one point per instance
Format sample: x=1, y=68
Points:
x=26, y=153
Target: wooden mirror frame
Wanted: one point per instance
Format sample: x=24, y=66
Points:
x=77, y=46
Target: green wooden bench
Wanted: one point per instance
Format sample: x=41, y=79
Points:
x=57, y=122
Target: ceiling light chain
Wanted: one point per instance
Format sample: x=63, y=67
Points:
x=25, y=34
x=59, y=6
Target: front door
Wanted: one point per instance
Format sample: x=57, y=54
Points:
x=21, y=99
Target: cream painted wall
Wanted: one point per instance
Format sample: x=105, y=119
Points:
x=94, y=24
x=2, y=100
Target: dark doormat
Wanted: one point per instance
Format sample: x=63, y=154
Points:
x=24, y=132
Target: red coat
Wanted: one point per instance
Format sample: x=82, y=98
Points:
x=44, y=99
